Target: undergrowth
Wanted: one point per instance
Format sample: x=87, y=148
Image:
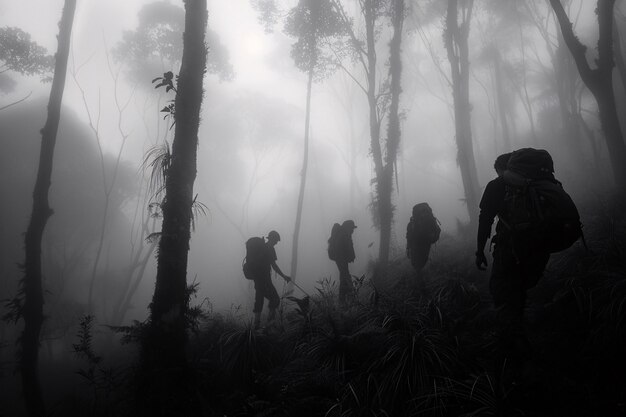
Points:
x=409, y=350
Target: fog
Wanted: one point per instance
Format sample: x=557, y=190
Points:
x=250, y=150
x=98, y=244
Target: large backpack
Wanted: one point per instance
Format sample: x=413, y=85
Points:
x=255, y=257
x=537, y=208
x=333, y=242
x=424, y=225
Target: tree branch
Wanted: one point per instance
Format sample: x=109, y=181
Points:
x=577, y=49
x=16, y=102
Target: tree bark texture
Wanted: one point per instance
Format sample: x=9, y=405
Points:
x=32, y=286
x=385, y=182
x=456, y=41
x=374, y=127
x=167, y=341
x=599, y=80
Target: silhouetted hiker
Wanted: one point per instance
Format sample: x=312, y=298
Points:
x=341, y=250
x=491, y=205
x=260, y=260
x=422, y=232
x=535, y=218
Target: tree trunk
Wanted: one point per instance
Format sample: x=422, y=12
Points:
x=385, y=184
x=500, y=94
x=374, y=127
x=32, y=283
x=165, y=346
x=456, y=40
x=619, y=60
x=305, y=164
x=599, y=80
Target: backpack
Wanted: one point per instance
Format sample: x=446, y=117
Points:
x=537, y=208
x=424, y=225
x=333, y=242
x=255, y=257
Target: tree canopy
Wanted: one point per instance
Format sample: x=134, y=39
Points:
x=18, y=53
x=156, y=45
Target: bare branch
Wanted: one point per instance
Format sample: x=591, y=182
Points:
x=16, y=102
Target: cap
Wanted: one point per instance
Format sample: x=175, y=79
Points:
x=349, y=224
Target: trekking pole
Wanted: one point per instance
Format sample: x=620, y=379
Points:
x=300, y=288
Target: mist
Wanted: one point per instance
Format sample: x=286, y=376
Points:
x=100, y=245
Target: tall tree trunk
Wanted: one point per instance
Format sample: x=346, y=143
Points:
x=32, y=283
x=566, y=77
x=375, y=146
x=456, y=40
x=619, y=57
x=305, y=164
x=599, y=80
x=500, y=94
x=385, y=184
x=165, y=346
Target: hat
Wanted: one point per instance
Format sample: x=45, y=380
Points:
x=502, y=160
x=349, y=224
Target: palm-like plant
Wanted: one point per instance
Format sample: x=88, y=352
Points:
x=243, y=353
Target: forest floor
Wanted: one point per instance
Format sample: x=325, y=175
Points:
x=399, y=349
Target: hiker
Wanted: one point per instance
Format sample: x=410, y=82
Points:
x=422, y=232
x=491, y=205
x=535, y=217
x=341, y=250
x=262, y=276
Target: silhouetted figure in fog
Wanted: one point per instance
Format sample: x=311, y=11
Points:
x=491, y=205
x=262, y=276
x=535, y=217
x=341, y=250
x=422, y=232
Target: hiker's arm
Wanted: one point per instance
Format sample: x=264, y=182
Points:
x=279, y=272
x=488, y=211
x=489, y=206
x=484, y=231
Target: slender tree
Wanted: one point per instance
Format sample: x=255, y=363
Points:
x=32, y=287
x=166, y=339
x=493, y=54
x=599, y=80
x=456, y=41
x=363, y=51
x=312, y=22
x=385, y=182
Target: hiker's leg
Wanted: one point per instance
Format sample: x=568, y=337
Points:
x=259, y=295
x=345, y=281
x=419, y=259
x=259, y=298
x=274, y=301
x=534, y=268
x=506, y=287
x=420, y=256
